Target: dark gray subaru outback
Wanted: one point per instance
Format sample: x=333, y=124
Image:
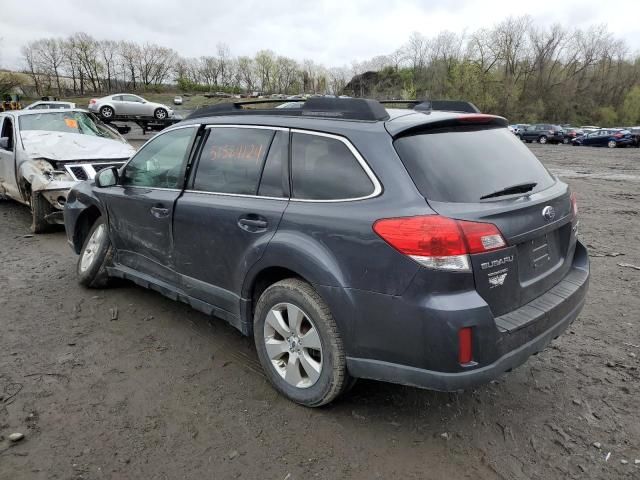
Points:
x=415, y=246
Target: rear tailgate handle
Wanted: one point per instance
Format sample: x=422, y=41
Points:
x=159, y=212
x=252, y=224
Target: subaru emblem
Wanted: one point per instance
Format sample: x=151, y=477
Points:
x=549, y=212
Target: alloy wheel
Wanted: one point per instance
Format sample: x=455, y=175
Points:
x=293, y=345
x=92, y=248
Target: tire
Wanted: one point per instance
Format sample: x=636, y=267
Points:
x=106, y=112
x=40, y=208
x=565, y=141
x=542, y=140
x=612, y=144
x=160, y=114
x=96, y=255
x=318, y=375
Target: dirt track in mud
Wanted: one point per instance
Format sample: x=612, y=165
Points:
x=164, y=392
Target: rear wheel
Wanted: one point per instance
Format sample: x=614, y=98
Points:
x=542, y=140
x=95, y=256
x=612, y=144
x=565, y=140
x=106, y=112
x=299, y=345
x=160, y=113
x=40, y=208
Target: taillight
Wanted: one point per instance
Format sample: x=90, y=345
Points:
x=618, y=135
x=465, y=346
x=574, y=205
x=439, y=242
x=93, y=100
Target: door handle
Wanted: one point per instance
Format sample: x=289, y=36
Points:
x=159, y=212
x=252, y=224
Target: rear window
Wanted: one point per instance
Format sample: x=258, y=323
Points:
x=463, y=165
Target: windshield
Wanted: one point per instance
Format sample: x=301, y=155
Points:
x=68, y=122
x=466, y=164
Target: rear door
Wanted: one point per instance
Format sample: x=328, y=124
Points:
x=237, y=194
x=461, y=170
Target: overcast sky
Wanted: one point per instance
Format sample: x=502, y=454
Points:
x=332, y=32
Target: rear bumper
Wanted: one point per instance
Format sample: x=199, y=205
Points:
x=503, y=343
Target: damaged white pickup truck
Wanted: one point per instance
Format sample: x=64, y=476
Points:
x=45, y=153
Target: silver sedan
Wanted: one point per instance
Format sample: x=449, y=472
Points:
x=128, y=105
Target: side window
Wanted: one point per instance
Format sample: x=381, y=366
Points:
x=131, y=98
x=117, y=98
x=274, y=180
x=231, y=160
x=324, y=168
x=160, y=163
x=7, y=132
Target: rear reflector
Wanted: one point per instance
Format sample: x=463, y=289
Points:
x=465, y=346
x=439, y=242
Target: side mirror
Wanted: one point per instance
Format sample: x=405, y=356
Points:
x=4, y=143
x=107, y=177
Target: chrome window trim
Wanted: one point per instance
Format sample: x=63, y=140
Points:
x=258, y=127
x=377, y=186
x=242, y=195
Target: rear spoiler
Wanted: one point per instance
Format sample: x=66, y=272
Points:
x=463, y=120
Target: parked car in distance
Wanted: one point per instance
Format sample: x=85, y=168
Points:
x=177, y=100
x=518, y=127
x=350, y=240
x=43, y=153
x=291, y=105
x=570, y=133
x=48, y=105
x=542, y=133
x=606, y=138
x=635, y=134
x=128, y=105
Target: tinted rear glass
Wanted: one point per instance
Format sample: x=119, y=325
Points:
x=463, y=165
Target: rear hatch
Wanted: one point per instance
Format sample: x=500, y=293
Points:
x=476, y=170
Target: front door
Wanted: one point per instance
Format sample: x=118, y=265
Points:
x=231, y=210
x=140, y=207
x=8, y=184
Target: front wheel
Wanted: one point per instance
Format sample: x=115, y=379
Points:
x=160, y=113
x=40, y=208
x=565, y=141
x=95, y=256
x=612, y=144
x=299, y=345
x=542, y=140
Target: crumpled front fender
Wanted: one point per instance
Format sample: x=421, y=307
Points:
x=41, y=175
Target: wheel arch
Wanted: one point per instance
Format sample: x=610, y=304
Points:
x=300, y=257
x=83, y=224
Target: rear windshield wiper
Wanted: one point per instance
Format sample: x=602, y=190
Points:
x=520, y=188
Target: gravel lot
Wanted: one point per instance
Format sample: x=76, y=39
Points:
x=165, y=392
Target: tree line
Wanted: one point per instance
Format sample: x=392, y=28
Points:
x=514, y=68
x=82, y=64
x=517, y=69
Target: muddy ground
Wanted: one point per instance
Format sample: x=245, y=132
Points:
x=164, y=392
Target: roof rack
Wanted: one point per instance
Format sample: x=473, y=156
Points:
x=322, y=107
x=440, y=105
